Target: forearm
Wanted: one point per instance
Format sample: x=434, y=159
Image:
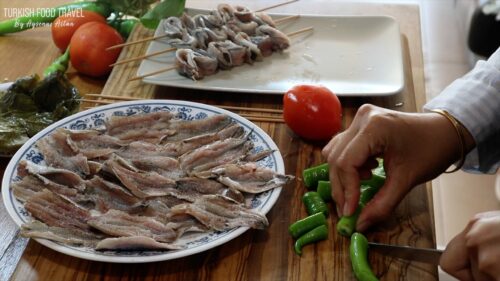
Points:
x=474, y=100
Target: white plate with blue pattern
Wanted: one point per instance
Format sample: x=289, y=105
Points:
x=95, y=118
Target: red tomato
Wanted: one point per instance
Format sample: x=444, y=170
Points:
x=312, y=112
x=88, y=46
x=64, y=26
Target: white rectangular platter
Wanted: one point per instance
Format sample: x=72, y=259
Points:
x=351, y=55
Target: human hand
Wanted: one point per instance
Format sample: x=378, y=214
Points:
x=474, y=254
x=416, y=147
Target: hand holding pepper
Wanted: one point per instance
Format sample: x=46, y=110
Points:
x=416, y=147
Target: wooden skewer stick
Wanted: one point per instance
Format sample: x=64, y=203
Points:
x=277, y=5
x=143, y=57
x=310, y=28
x=285, y=19
x=267, y=110
x=97, y=101
x=250, y=117
x=264, y=119
x=153, y=73
x=228, y=107
x=137, y=42
x=112, y=97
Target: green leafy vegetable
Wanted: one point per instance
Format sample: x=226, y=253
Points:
x=163, y=10
x=30, y=104
x=123, y=26
x=135, y=8
x=150, y=14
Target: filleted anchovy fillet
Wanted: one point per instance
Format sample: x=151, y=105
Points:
x=29, y=185
x=215, y=154
x=177, y=148
x=48, y=174
x=134, y=243
x=92, y=143
x=219, y=213
x=249, y=177
x=184, y=129
x=59, y=154
x=118, y=223
x=71, y=236
x=146, y=127
x=55, y=210
x=141, y=184
x=106, y=195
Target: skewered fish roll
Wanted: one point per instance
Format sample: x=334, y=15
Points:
x=226, y=11
x=263, y=19
x=279, y=39
x=186, y=42
x=264, y=43
x=195, y=64
x=238, y=26
x=253, y=52
x=243, y=13
x=228, y=53
x=173, y=27
x=187, y=21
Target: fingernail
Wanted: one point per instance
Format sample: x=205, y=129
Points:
x=346, y=209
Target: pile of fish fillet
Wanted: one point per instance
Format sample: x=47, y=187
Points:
x=143, y=181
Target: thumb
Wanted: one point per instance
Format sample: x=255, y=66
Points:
x=455, y=259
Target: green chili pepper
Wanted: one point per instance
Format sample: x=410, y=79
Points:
x=378, y=176
x=314, y=204
x=347, y=224
x=40, y=18
x=123, y=26
x=302, y=226
x=325, y=190
x=317, y=234
x=59, y=65
x=359, y=258
x=314, y=174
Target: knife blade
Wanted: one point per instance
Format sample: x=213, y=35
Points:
x=426, y=255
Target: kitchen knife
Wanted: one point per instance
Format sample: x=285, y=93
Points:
x=426, y=255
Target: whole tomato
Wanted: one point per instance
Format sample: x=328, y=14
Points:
x=88, y=46
x=64, y=26
x=312, y=112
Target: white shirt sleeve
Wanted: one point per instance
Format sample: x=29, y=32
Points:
x=474, y=100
